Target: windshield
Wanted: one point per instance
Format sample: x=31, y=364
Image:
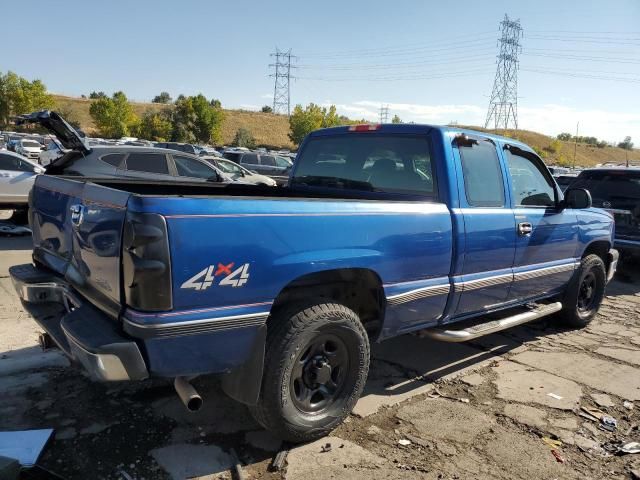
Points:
x=30, y=143
x=367, y=162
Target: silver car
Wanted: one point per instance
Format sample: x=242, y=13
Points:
x=149, y=163
x=17, y=175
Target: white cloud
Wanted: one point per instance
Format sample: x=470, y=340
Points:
x=248, y=106
x=267, y=95
x=550, y=119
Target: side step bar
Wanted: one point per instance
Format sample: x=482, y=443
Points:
x=482, y=329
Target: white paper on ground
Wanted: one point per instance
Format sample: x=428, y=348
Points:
x=25, y=445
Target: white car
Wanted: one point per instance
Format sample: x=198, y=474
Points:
x=29, y=148
x=17, y=175
x=52, y=151
x=240, y=173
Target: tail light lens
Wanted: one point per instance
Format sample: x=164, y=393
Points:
x=146, y=263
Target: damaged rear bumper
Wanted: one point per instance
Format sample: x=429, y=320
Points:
x=83, y=332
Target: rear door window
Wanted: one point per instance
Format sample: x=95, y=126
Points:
x=148, y=162
x=113, y=159
x=189, y=167
x=267, y=160
x=483, y=182
x=249, y=159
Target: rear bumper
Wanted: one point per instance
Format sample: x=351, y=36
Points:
x=627, y=246
x=83, y=332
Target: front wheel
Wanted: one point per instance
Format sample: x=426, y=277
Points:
x=316, y=365
x=584, y=293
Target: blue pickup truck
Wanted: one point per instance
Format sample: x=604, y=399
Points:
x=382, y=230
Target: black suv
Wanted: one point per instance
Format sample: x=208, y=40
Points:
x=617, y=190
x=273, y=166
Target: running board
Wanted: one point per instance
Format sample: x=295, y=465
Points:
x=482, y=329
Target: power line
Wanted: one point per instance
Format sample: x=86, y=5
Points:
x=443, y=44
x=283, y=77
x=503, y=106
x=426, y=76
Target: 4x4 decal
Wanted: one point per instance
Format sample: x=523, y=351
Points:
x=230, y=278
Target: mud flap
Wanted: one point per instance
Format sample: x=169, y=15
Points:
x=243, y=383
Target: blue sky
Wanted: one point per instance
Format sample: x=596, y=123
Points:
x=431, y=62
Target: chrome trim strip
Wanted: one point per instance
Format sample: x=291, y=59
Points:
x=541, y=272
x=418, y=293
x=191, y=327
x=485, y=282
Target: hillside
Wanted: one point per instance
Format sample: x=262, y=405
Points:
x=268, y=129
x=271, y=130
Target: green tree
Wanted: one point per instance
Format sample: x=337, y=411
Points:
x=19, y=96
x=96, y=95
x=195, y=120
x=244, y=138
x=164, y=97
x=627, y=144
x=564, y=136
x=215, y=103
x=266, y=109
x=114, y=117
x=312, y=117
x=155, y=126
x=70, y=117
x=396, y=119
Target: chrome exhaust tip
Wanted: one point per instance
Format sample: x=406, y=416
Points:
x=188, y=394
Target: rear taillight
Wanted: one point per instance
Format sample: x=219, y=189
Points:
x=146, y=264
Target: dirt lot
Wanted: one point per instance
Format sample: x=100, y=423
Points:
x=487, y=410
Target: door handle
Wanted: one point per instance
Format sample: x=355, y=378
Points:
x=525, y=228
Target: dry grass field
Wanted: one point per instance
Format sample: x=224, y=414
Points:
x=271, y=130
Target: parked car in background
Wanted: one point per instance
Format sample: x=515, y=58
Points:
x=274, y=166
x=29, y=148
x=123, y=161
x=238, y=172
x=17, y=175
x=52, y=151
x=11, y=143
x=181, y=147
x=617, y=190
x=208, y=151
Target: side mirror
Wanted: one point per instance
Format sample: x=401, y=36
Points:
x=577, y=198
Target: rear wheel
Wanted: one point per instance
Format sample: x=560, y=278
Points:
x=584, y=293
x=316, y=365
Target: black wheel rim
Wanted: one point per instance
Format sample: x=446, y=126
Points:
x=319, y=374
x=587, y=293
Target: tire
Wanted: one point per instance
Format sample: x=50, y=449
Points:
x=584, y=293
x=316, y=366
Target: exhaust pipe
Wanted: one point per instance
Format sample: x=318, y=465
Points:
x=189, y=396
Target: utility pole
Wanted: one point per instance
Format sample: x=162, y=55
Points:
x=384, y=113
x=575, y=146
x=283, y=77
x=503, y=106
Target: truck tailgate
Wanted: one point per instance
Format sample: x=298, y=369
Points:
x=77, y=232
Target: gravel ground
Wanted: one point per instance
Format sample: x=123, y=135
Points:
x=506, y=406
